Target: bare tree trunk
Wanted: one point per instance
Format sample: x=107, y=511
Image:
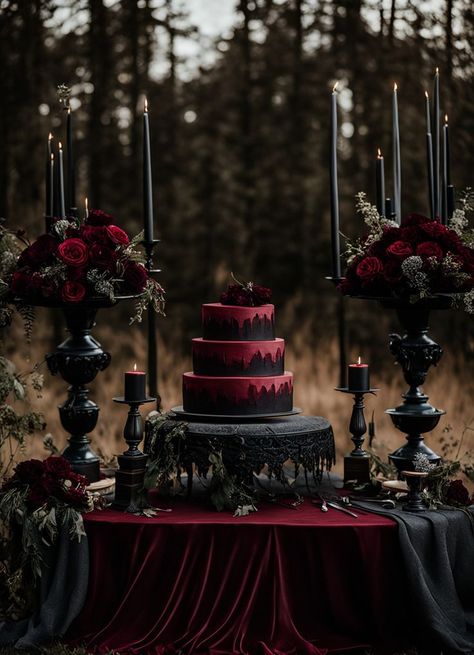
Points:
x=449, y=38
x=391, y=24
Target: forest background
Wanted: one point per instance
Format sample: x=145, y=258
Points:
x=239, y=108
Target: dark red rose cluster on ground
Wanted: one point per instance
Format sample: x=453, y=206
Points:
x=55, y=267
x=246, y=295
x=49, y=482
x=445, y=263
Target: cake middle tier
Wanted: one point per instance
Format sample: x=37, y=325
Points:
x=238, y=358
x=239, y=396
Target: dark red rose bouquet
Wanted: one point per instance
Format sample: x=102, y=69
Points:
x=38, y=501
x=246, y=294
x=414, y=260
x=80, y=260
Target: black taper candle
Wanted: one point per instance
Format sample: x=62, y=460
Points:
x=147, y=181
x=451, y=200
x=388, y=208
x=429, y=164
x=48, y=195
x=336, y=250
x=71, y=173
x=380, y=183
x=62, y=200
x=444, y=208
x=397, y=171
x=436, y=141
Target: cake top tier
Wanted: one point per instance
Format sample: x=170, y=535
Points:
x=238, y=323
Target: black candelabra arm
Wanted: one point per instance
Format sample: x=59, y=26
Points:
x=151, y=322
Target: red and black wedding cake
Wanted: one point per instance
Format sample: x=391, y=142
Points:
x=238, y=364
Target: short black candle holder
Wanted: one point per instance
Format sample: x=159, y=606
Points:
x=414, y=480
x=357, y=462
x=132, y=463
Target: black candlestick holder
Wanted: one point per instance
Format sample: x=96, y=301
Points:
x=151, y=323
x=414, y=480
x=132, y=463
x=357, y=462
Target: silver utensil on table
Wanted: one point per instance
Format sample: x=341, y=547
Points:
x=386, y=503
x=340, y=508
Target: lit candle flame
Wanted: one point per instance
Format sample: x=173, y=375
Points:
x=146, y=106
x=359, y=361
x=426, y=95
x=334, y=88
x=135, y=366
x=395, y=87
x=86, y=202
x=379, y=153
x=437, y=71
x=60, y=145
x=446, y=119
x=69, y=109
x=52, y=156
x=50, y=137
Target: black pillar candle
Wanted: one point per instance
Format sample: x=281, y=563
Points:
x=358, y=377
x=135, y=385
x=388, y=209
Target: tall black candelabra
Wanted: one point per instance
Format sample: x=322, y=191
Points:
x=151, y=323
x=78, y=360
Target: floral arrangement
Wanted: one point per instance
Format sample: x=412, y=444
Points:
x=40, y=499
x=414, y=260
x=245, y=294
x=77, y=261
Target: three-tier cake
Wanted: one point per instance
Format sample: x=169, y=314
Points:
x=238, y=364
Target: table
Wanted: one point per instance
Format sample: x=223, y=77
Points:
x=278, y=581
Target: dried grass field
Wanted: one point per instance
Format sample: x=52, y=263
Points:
x=450, y=386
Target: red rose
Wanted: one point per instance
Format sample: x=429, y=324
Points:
x=20, y=284
x=135, y=277
x=73, y=252
x=467, y=255
x=415, y=219
x=103, y=257
x=39, y=252
x=72, y=291
x=392, y=271
x=451, y=241
x=29, y=471
x=457, y=493
x=369, y=268
x=94, y=234
x=57, y=467
x=98, y=217
x=433, y=229
x=400, y=249
x=37, y=496
x=117, y=235
x=430, y=249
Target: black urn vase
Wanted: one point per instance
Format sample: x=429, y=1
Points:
x=416, y=352
x=78, y=360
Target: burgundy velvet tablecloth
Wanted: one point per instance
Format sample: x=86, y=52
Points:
x=278, y=581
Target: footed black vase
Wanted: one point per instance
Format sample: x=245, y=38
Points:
x=78, y=360
x=416, y=352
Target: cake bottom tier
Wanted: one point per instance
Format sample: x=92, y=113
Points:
x=239, y=396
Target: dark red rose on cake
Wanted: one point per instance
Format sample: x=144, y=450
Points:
x=117, y=235
x=72, y=291
x=429, y=249
x=73, y=252
x=246, y=295
x=135, y=277
x=401, y=249
x=99, y=217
